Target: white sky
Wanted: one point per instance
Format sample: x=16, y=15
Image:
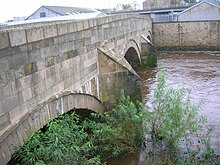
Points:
x=17, y=8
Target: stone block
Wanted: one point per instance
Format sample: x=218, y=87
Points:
x=7, y=90
x=26, y=82
x=35, y=34
x=79, y=25
x=5, y=154
x=87, y=41
x=22, y=132
x=4, y=65
x=16, y=86
x=90, y=61
x=34, y=55
x=38, y=77
x=51, y=81
x=85, y=24
x=58, y=87
x=63, y=47
x=27, y=94
x=50, y=72
x=62, y=29
x=4, y=40
x=71, y=27
x=1, y=108
x=10, y=103
x=68, y=82
x=17, y=113
x=4, y=121
x=50, y=31
x=38, y=88
x=23, y=48
x=91, y=23
x=12, y=141
x=17, y=60
x=91, y=68
x=17, y=37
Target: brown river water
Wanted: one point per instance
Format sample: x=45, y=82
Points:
x=199, y=72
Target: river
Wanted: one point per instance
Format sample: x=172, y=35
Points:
x=197, y=71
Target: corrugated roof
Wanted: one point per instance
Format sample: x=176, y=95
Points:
x=63, y=10
x=61, y=18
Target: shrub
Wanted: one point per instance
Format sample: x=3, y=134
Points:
x=173, y=115
x=68, y=140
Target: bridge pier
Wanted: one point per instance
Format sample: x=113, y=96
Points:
x=149, y=54
x=114, y=76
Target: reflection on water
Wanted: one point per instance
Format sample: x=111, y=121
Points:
x=198, y=72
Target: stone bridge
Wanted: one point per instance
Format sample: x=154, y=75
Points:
x=53, y=67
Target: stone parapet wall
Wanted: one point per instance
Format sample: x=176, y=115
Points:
x=197, y=35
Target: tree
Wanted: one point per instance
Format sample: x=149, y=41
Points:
x=125, y=7
x=190, y=1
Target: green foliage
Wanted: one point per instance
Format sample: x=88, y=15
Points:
x=121, y=130
x=174, y=119
x=173, y=116
x=68, y=140
x=125, y=7
x=65, y=141
x=190, y=1
x=152, y=60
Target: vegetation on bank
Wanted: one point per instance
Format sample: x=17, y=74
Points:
x=172, y=120
x=68, y=140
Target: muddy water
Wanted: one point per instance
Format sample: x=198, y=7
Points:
x=199, y=72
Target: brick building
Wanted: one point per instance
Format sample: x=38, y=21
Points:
x=156, y=4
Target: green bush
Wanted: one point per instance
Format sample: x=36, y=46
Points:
x=68, y=140
x=173, y=116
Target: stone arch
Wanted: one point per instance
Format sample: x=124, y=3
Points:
x=149, y=36
x=132, y=57
x=132, y=53
x=38, y=117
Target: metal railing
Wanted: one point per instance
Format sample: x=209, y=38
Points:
x=165, y=18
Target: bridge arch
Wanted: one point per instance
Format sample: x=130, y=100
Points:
x=149, y=36
x=132, y=57
x=39, y=117
x=132, y=53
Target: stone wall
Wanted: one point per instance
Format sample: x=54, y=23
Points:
x=41, y=60
x=198, y=35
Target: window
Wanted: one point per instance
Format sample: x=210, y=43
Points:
x=43, y=14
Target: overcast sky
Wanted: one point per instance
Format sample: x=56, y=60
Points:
x=17, y=8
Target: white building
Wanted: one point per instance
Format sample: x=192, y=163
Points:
x=204, y=10
x=56, y=11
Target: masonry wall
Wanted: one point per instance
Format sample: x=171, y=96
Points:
x=41, y=60
x=197, y=35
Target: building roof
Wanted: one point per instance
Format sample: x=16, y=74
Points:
x=215, y=3
x=63, y=10
x=74, y=17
